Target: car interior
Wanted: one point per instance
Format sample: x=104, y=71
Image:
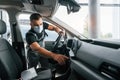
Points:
x=89, y=59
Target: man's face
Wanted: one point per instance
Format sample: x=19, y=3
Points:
x=38, y=22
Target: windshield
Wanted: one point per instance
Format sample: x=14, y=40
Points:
x=109, y=11
x=75, y=20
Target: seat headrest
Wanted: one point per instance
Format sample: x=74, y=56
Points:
x=2, y=27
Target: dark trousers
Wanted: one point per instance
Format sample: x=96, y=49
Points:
x=35, y=58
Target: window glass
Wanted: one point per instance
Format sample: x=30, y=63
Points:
x=82, y=1
x=109, y=1
x=109, y=18
x=4, y=16
x=24, y=24
x=78, y=20
x=106, y=15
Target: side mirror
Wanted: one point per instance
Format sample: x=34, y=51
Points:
x=72, y=5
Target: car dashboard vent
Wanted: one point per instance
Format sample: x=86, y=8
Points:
x=110, y=71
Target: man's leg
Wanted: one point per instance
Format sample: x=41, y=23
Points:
x=44, y=62
x=33, y=59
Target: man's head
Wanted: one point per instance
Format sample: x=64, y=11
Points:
x=36, y=20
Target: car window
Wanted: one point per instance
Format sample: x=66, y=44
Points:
x=24, y=24
x=77, y=21
x=4, y=16
x=109, y=18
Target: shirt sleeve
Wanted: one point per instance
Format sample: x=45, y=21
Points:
x=45, y=25
x=30, y=38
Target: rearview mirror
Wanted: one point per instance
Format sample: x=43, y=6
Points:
x=72, y=5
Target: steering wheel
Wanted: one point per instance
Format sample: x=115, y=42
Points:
x=56, y=47
x=57, y=42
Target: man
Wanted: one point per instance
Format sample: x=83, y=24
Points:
x=35, y=37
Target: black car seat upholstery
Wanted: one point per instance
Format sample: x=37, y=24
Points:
x=10, y=63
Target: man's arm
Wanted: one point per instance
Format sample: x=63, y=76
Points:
x=57, y=57
x=54, y=28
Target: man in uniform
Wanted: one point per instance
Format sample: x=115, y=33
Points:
x=35, y=37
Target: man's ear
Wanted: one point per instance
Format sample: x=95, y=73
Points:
x=31, y=24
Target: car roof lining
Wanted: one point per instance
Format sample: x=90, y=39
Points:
x=47, y=9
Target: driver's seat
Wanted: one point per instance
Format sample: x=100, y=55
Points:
x=10, y=63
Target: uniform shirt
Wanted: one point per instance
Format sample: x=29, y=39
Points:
x=30, y=38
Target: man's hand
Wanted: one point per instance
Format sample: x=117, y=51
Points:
x=61, y=59
x=57, y=29
x=62, y=32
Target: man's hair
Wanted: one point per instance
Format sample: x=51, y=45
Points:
x=35, y=16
